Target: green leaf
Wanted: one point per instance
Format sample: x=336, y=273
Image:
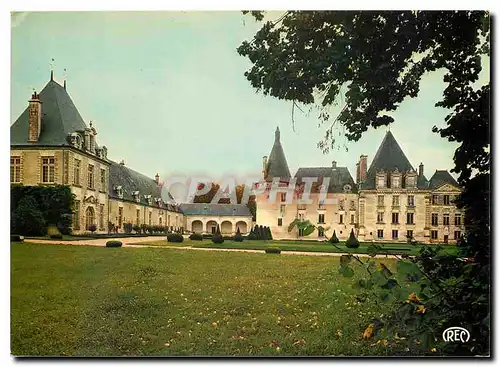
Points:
x=379, y=279
x=346, y=272
x=292, y=225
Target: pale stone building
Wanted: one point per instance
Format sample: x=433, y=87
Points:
x=52, y=145
x=389, y=201
x=204, y=218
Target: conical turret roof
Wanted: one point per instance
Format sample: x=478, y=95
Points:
x=276, y=163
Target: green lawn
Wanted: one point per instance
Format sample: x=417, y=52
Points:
x=97, y=301
x=307, y=246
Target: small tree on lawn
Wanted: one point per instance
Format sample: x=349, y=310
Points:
x=238, y=237
x=217, y=237
x=352, y=241
x=334, y=238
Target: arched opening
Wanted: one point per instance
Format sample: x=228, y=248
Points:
x=242, y=227
x=226, y=227
x=211, y=226
x=89, y=217
x=197, y=226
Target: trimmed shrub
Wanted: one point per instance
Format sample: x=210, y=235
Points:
x=252, y=235
x=136, y=228
x=114, y=243
x=217, y=238
x=273, y=250
x=92, y=228
x=334, y=238
x=27, y=219
x=238, y=237
x=144, y=228
x=127, y=227
x=196, y=237
x=207, y=236
x=352, y=241
x=270, y=235
x=175, y=237
x=16, y=238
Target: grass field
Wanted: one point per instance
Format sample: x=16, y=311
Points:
x=97, y=301
x=307, y=246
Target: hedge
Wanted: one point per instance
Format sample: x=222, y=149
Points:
x=175, y=237
x=114, y=244
x=273, y=250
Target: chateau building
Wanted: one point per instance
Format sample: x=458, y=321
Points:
x=389, y=202
x=52, y=145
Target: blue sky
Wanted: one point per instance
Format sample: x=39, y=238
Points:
x=166, y=93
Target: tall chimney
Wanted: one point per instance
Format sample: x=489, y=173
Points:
x=421, y=170
x=334, y=164
x=264, y=165
x=157, y=178
x=362, y=167
x=357, y=172
x=35, y=118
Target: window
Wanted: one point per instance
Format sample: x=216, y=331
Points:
x=90, y=183
x=341, y=204
x=380, y=200
x=176, y=221
x=76, y=172
x=394, y=234
x=149, y=219
x=280, y=222
x=15, y=169
x=410, y=181
x=380, y=233
x=411, y=200
x=381, y=181
x=446, y=199
x=434, y=219
x=321, y=218
x=409, y=218
x=353, y=205
x=396, y=182
x=434, y=235
x=395, y=200
x=282, y=210
x=446, y=219
x=458, y=219
x=101, y=217
x=168, y=220
x=283, y=196
x=76, y=215
x=137, y=216
x=409, y=234
x=341, y=219
x=395, y=218
x=435, y=199
x=321, y=204
x=321, y=232
x=457, y=235
x=352, y=218
x=89, y=218
x=120, y=217
x=159, y=221
x=103, y=179
x=48, y=169
x=380, y=217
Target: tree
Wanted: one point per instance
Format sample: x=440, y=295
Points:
x=334, y=238
x=352, y=241
x=374, y=60
x=27, y=219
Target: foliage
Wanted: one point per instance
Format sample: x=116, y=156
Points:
x=217, y=237
x=144, y=228
x=238, y=237
x=273, y=250
x=252, y=235
x=376, y=59
x=16, y=238
x=27, y=219
x=352, y=241
x=136, y=228
x=128, y=227
x=303, y=226
x=114, y=243
x=175, y=237
x=334, y=238
x=92, y=228
x=196, y=237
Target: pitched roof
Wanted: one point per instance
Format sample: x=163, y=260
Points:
x=216, y=209
x=339, y=177
x=276, y=163
x=390, y=156
x=441, y=177
x=59, y=118
x=131, y=181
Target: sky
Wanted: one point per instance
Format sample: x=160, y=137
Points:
x=166, y=93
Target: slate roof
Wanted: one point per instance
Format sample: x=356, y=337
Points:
x=130, y=181
x=221, y=210
x=441, y=177
x=276, y=163
x=59, y=118
x=390, y=156
x=339, y=177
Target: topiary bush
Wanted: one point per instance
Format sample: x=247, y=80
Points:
x=238, y=237
x=252, y=235
x=27, y=219
x=175, y=237
x=92, y=228
x=217, y=238
x=273, y=250
x=144, y=228
x=269, y=234
x=352, y=241
x=196, y=237
x=136, y=228
x=334, y=238
x=114, y=243
x=16, y=238
x=128, y=227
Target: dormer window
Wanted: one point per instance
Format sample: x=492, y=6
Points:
x=381, y=180
x=136, y=196
x=75, y=140
x=119, y=191
x=411, y=180
x=396, y=179
x=148, y=199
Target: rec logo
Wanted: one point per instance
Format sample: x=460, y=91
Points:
x=456, y=334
